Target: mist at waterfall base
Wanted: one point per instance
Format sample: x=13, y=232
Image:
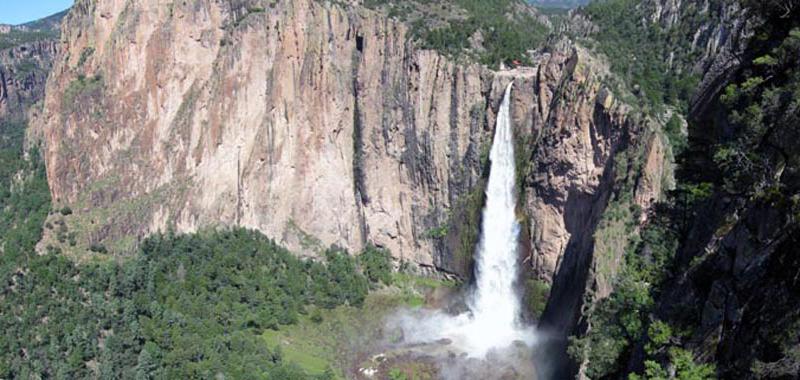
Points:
x=492, y=325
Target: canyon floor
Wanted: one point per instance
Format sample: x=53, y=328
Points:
x=358, y=343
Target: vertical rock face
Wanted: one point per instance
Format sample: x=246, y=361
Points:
x=718, y=35
x=316, y=124
x=574, y=173
x=736, y=289
x=27, y=52
x=23, y=73
x=568, y=166
x=742, y=297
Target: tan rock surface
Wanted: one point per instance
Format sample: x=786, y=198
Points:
x=316, y=124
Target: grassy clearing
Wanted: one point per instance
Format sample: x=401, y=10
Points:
x=412, y=282
x=335, y=338
x=312, y=359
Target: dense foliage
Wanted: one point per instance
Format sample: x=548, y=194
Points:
x=376, y=264
x=763, y=114
x=18, y=37
x=639, y=51
x=187, y=306
x=741, y=151
x=558, y=3
x=24, y=195
x=491, y=32
x=504, y=39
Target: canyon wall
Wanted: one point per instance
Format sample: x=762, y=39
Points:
x=736, y=287
x=319, y=124
x=324, y=124
x=27, y=52
x=23, y=74
x=714, y=32
x=313, y=123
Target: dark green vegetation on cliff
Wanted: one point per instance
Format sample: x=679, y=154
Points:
x=710, y=289
x=24, y=196
x=491, y=32
x=649, y=59
x=564, y=4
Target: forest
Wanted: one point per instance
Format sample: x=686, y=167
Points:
x=491, y=33
x=186, y=306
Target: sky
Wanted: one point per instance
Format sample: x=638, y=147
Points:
x=21, y=11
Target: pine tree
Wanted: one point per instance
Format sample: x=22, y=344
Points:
x=147, y=363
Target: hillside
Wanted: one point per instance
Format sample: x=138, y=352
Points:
x=26, y=55
x=499, y=32
x=566, y=4
x=43, y=29
x=710, y=277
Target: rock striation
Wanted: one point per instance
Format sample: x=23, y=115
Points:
x=318, y=124
x=23, y=74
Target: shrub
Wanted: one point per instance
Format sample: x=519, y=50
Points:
x=376, y=263
x=98, y=248
x=85, y=54
x=437, y=232
x=316, y=316
x=80, y=88
x=674, y=131
x=536, y=294
x=397, y=374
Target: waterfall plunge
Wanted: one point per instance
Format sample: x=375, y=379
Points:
x=493, y=320
x=495, y=305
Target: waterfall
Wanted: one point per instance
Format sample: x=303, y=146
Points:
x=493, y=320
x=494, y=304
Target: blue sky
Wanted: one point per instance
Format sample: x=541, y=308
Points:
x=21, y=11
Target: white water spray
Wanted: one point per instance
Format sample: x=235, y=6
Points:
x=493, y=320
x=495, y=304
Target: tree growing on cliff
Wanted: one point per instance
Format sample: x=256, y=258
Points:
x=376, y=264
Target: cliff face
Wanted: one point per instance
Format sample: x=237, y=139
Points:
x=595, y=157
x=726, y=288
x=23, y=73
x=317, y=124
x=27, y=52
x=715, y=32
x=737, y=290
